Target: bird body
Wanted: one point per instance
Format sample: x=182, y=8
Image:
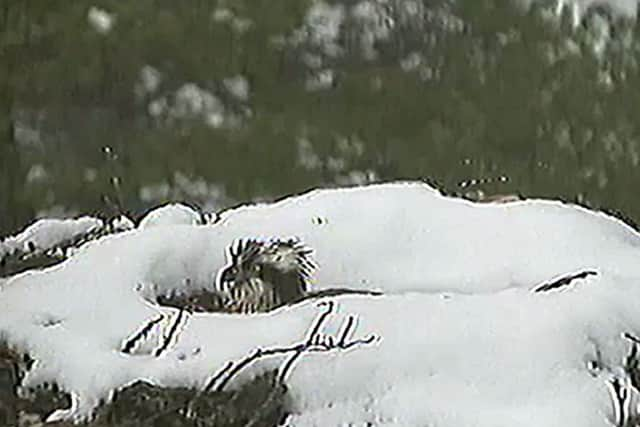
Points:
x=253, y=295
x=263, y=275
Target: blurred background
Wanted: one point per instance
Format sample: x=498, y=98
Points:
x=111, y=106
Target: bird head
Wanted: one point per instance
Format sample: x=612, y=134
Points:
x=284, y=264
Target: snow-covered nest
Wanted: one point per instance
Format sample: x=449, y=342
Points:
x=459, y=338
x=49, y=241
x=46, y=233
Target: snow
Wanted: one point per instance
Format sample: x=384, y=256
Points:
x=307, y=156
x=238, y=86
x=376, y=25
x=327, y=24
x=461, y=338
x=368, y=23
x=577, y=8
x=149, y=81
x=344, y=27
x=222, y=15
x=239, y=24
x=189, y=102
x=37, y=174
x=322, y=26
x=432, y=231
x=47, y=233
x=455, y=369
x=101, y=20
x=320, y=80
x=340, y=163
x=170, y=214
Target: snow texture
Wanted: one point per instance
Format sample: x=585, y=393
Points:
x=238, y=86
x=170, y=214
x=462, y=338
x=149, y=81
x=323, y=22
x=189, y=102
x=45, y=234
x=101, y=20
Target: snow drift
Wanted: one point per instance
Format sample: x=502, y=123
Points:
x=47, y=233
x=461, y=338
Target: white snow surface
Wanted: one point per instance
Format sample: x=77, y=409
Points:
x=45, y=234
x=170, y=214
x=462, y=339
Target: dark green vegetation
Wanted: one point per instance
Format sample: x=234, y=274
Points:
x=454, y=91
x=262, y=402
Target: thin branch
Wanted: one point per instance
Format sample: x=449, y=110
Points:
x=564, y=281
x=315, y=342
x=296, y=349
x=217, y=377
x=131, y=342
x=297, y=353
x=172, y=332
x=631, y=338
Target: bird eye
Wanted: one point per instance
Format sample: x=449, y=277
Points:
x=257, y=268
x=229, y=274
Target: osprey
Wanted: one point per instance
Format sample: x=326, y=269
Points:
x=260, y=275
x=265, y=274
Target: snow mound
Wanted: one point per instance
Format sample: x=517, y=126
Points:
x=45, y=234
x=459, y=337
x=409, y=237
x=101, y=20
x=170, y=214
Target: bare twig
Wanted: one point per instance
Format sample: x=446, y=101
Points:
x=623, y=388
x=313, y=336
x=631, y=338
x=315, y=341
x=564, y=281
x=131, y=342
x=217, y=377
x=172, y=332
